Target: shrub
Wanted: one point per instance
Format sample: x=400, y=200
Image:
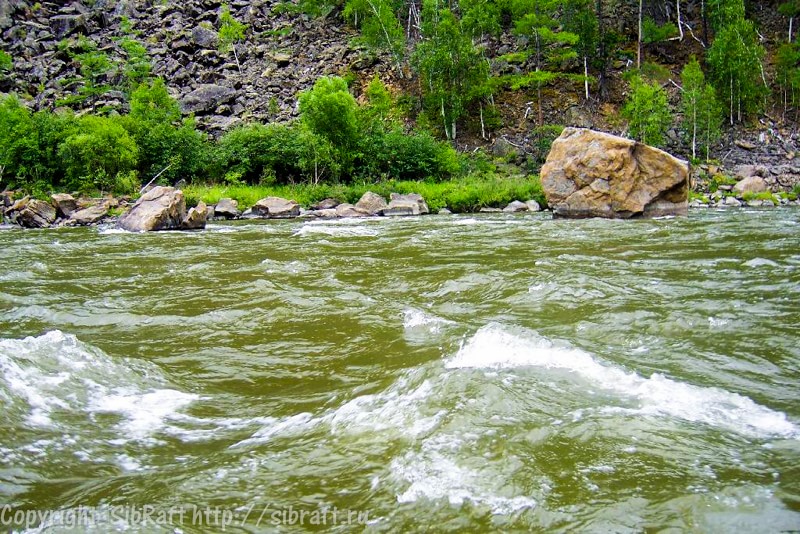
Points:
x=97, y=154
x=329, y=110
x=647, y=112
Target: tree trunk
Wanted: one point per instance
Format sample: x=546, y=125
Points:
x=694, y=130
x=601, y=77
x=586, y=76
x=680, y=25
x=639, y=40
x=791, y=20
x=705, y=22
x=483, y=127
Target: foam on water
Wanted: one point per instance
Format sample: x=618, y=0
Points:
x=336, y=230
x=496, y=347
x=418, y=319
x=53, y=377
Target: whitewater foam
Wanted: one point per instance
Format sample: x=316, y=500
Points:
x=496, y=347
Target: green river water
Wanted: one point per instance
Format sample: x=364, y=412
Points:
x=436, y=374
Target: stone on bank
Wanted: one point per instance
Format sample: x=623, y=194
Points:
x=161, y=208
x=595, y=174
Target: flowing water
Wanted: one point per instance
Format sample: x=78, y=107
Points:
x=457, y=373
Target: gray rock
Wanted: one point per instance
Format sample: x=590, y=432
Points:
x=516, y=207
x=445, y=211
x=327, y=213
x=348, y=210
x=64, y=25
x=276, y=208
x=533, y=205
x=196, y=217
x=204, y=37
x=752, y=184
x=328, y=203
x=227, y=208
x=401, y=209
x=401, y=199
x=207, y=97
x=490, y=210
x=731, y=202
x=90, y=215
x=161, y=208
x=371, y=203
x=65, y=204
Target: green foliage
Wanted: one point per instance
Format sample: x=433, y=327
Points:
x=452, y=71
x=136, y=68
x=165, y=141
x=98, y=154
x=6, y=61
x=749, y=196
x=379, y=25
x=725, y=12
x=275, y=153
x=231, y=30
x=653, y=33
x=653, y=72
x=737, y=72
x=647, y=112
x=787, y=63
x=329, y=110
x=702, y=115
x=542, y=140
x=480, y=17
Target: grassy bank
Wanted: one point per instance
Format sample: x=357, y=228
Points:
x=459, y=195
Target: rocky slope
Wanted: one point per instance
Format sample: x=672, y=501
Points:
x=285, y=51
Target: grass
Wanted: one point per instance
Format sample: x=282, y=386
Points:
x=460, y=195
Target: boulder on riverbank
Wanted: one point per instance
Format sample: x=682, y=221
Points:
x=276, y=208
x=31, y=213
x=227, y=208
x=595, y=174
x=408, y=204
x=372, y=203
x=161, y=208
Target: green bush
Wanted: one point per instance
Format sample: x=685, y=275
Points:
x=276, y=154
x=329, y=110
x=6, y=61
x=98, y=154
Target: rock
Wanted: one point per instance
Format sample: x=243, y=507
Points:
x=402, y=209
x=90, y=215
x=753, y=184
x=731, y=202
x=35, y=214
x=490, y=210
x=276, y=208
x=207, y=97
x=516, y=207
x=65, y=204
x=227, y=208
x=595, y=174
x=533, y=205
x=327, y=213
x=755, y=203
x=161, y=208
x=328, y=203
x=205, y=38
x=503, y=148
x=410, y=198
x=64, y=25
x=747, y=145
x=348, y=210
x=445, y=211
x=746, y=171
x=371, y=203
x=196, y=217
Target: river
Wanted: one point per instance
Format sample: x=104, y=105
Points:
x=442, y=373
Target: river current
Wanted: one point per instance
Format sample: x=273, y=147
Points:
x=437, y=374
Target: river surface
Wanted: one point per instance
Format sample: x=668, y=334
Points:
x=444, y=373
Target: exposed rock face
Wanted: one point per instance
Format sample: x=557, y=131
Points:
x=372, y=203
x=90, y=215
x=196, y=218
x=65, y=204
x=32, y=213
x=227, y=208
x=595, y=174
x=276, y=208
x=753, y=184
x=161, y=208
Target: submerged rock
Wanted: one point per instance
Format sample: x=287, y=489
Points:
x=595, y=174
x=161, y=208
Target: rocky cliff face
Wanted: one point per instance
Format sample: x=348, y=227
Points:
x=282, y=54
